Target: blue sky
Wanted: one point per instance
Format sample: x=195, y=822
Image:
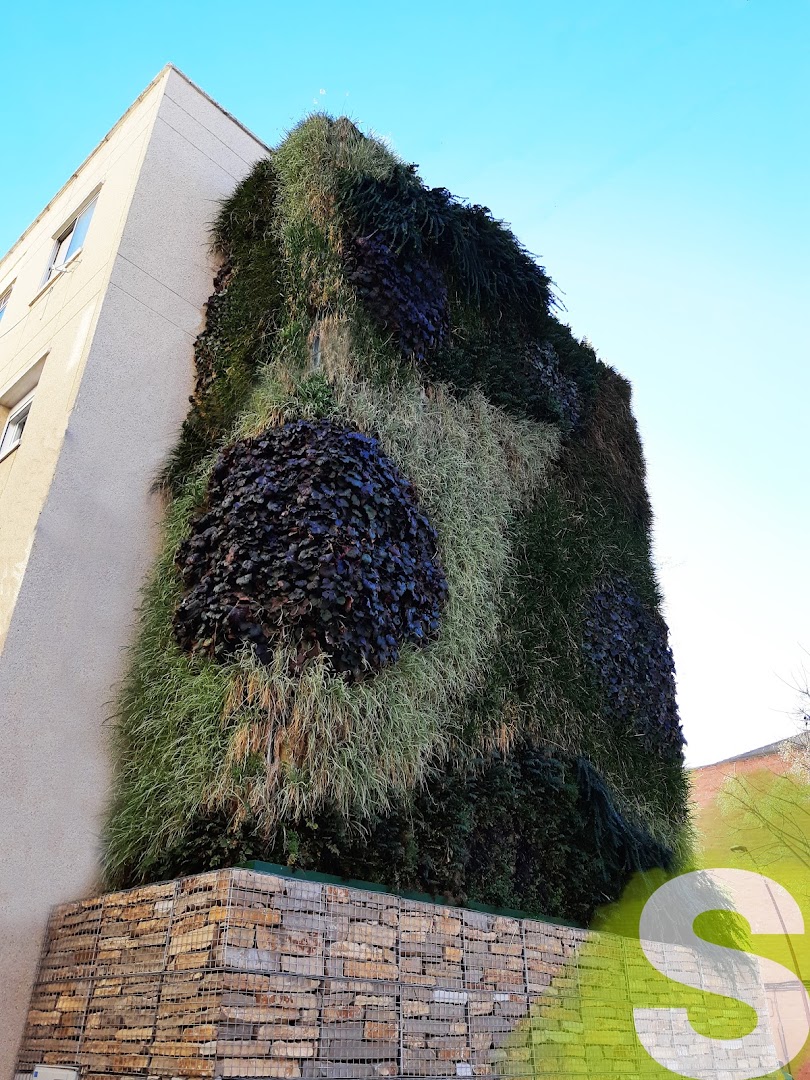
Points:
x=655, y=156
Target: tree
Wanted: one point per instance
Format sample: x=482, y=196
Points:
x=796, y=753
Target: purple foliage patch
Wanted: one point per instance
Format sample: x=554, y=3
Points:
x=627, y=647
x=561, y=390
x=405, y=295
x=310, y=535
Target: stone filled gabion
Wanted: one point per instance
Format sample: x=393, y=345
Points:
x=310, y=536
x=627, y=648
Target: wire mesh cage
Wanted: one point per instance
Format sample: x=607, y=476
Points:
x=243, y=974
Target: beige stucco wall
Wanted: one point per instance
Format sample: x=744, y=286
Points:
x=78, y=521
x=60, y=321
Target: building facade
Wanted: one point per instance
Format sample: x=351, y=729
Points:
x=457, y=484
x=100, y=302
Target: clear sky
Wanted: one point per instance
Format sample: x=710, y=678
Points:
x=653, y=154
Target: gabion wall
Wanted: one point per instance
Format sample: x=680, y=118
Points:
x=243, y=974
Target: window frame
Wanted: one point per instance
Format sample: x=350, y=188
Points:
x=64, y=238
x=5, y=296
x=13, y=418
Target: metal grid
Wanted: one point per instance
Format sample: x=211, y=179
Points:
x=493, y=953
x=499, y=1032
x=120, y=1019
x=244, y=975
x=360, y=1029
x=55, y=1023
x=239, y=974
x=134, y=931
x=186, y=1025
x=431, y=945
x=362, y=934
x=56, y=1015
x=268, y=1024
x=549, y=952
x=274, y=925
x=71, y=942
x=199, y=912
x=435, y=1032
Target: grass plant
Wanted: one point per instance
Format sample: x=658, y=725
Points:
x=524, y=454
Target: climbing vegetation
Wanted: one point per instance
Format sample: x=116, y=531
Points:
x=405, y=624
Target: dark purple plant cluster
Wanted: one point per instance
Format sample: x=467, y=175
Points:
x=208, y=345
x=404, y=294
x=485, y=264
x=312, y=536
x=561, y=390
x=627, y=647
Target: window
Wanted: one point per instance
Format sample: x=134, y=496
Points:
x=15, y=425
x=70, y=241
x=4, y=302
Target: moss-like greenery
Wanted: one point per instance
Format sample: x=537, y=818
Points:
x=524, y=829
x=496, y=762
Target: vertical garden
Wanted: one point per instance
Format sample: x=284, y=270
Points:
x=405, y=624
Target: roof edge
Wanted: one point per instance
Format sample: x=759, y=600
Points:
x=147, y=89
x=748, y=755
x=215, y=103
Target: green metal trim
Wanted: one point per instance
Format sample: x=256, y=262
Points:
x=261, y=867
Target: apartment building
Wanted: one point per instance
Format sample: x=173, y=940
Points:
x=100, y=301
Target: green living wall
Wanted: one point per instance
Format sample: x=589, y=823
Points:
x=405, y=625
